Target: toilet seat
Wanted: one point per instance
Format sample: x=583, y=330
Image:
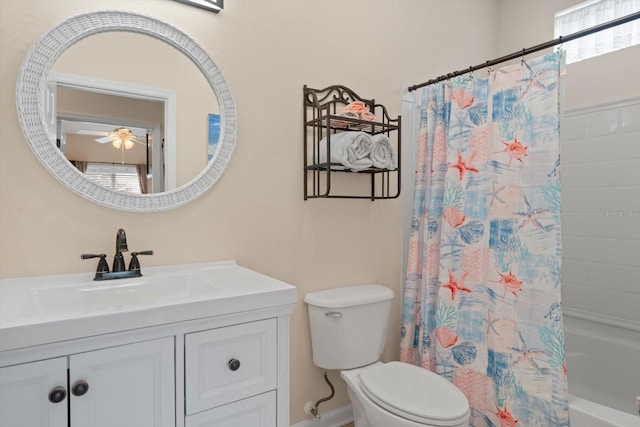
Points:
x=415, y=393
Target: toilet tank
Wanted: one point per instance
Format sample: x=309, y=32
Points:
x=348, y=325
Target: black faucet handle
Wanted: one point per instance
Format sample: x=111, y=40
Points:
x=103, y=267
x=89, y=256
x=134, y=264
x=149, y=252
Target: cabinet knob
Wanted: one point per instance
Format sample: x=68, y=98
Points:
x=233, y=364
x=57, y=394
x=79, y=388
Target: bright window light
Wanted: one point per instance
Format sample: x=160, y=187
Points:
x=595, y=12
x=116, y=177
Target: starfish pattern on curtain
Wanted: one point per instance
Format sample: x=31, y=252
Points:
x=481, y=299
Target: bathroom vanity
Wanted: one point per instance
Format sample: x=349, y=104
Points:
x=185, y=346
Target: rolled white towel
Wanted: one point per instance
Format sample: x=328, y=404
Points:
x=351, y=149
x=383, y=155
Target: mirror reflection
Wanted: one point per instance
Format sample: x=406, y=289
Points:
x=121, y=154
x=113, y=99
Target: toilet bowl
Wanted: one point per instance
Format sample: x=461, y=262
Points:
x=397, y=394
x=348, y=333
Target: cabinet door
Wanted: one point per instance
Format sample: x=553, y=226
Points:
x=24, y=394
x=257, y=411
x=129, y=386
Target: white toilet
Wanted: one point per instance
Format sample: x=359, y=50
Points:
x=348, y=332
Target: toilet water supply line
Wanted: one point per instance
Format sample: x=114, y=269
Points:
x=312, y=409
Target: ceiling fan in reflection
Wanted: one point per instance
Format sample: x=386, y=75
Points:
x=121, y=137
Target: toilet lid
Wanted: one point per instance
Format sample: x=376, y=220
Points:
x=415, y=393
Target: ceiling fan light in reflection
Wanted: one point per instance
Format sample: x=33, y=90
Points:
x=121, y=136
x=128, y=143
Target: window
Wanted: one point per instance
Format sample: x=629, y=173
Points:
x=115, y=177
x=595, y=12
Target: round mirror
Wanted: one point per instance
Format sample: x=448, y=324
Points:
x=43, y=85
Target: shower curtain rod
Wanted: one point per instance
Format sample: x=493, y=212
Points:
x=536, y=48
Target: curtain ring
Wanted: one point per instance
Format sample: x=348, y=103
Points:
x=522, y=61
x=489, y=68
x=470, y=72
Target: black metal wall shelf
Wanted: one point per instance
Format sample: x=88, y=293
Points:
x=321, y=120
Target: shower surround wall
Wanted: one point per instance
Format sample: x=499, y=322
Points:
x=600, y=177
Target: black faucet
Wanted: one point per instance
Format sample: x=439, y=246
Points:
x=118, y=271
x=121, y=246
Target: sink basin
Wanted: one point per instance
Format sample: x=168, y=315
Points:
x=120, y=295
x=49, y=309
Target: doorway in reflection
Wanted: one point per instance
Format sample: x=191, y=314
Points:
x=116, y=141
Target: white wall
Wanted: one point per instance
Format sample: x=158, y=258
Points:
x=600, y=172
x=267, y=50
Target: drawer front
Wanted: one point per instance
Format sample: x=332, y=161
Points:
x=228, y=364
x=256, y=411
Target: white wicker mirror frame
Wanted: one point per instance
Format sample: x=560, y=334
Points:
x=32, y=83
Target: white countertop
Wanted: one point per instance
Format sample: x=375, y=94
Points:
x=47, y=309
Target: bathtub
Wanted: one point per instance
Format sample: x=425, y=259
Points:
x=603, y=370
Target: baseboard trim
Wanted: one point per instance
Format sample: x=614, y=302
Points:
x=334, y=418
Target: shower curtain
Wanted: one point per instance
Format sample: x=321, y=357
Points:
x=481, y=299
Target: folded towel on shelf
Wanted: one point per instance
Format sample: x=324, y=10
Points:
x=349, y=113
x=368, y=116
x=356, y=110
x=345, y=113
x=350, y=149
x=383, y=155
x=356, y=106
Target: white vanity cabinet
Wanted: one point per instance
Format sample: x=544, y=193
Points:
x=24, y=394
x=200, y=345
x=126, y=386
